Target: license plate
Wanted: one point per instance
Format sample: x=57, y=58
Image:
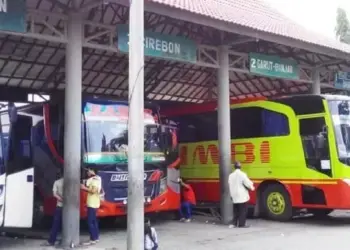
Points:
x=123, y=177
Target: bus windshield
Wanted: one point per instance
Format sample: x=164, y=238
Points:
x=106, y=135
x=341, y=119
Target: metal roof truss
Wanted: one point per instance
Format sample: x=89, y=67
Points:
x=36, y=59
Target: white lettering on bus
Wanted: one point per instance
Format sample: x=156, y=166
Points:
x=123, y=177
x=3, y=6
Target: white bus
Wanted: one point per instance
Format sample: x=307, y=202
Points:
x=16, y=173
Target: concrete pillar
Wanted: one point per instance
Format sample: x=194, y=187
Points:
x=224, y=120
x=135, y=216
x=72, y=132
x=316, y=82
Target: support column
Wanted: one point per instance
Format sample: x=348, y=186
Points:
x=72, y=132
x=224, y=120
x=135, y=212
x=316, y=82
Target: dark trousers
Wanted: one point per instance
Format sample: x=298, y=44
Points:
x=56, y=225
x=93, y=224
x=186, y=210
x=239, y=214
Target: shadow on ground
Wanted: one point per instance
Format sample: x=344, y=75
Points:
x=335, y=219
x=208, y=231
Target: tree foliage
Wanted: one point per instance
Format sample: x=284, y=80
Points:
x=342, y=28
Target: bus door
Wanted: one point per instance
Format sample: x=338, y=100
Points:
x=2, y=177
x=314, y=136
x=19, y=195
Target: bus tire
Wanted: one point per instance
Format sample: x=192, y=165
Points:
x=276, y=203
x=320, y=213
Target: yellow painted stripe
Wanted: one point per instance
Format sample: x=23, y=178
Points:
x=284, y=182
x=118, y=153
x=310, y=182
x=201, y=181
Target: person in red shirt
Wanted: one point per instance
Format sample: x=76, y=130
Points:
x=188, y=200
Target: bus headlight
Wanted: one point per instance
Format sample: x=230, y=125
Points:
x=147, y=200
x=125, y=202
x=162, y=186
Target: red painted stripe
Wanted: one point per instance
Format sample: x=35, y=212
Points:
x=47, y=128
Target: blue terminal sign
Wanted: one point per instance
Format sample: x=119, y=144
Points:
x=342, y=80
x=161, y=46
x=13, y=15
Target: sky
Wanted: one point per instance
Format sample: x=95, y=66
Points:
x=316, y=15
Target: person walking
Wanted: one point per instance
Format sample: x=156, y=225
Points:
x=151, y=238
x=57, y=191
x=239, y=185
x=188, y=201
x=93, y=187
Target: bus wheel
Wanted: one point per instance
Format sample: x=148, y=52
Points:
x=320, y=213
x=276, y=203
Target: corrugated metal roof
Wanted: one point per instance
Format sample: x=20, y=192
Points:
x=39, y=66
x=254, y=14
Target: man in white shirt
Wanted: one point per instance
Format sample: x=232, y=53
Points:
x=240, y=185
x=57, y=192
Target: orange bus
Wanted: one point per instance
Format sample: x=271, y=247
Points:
x=34, y=142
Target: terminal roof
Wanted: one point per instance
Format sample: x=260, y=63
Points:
x=33, y=64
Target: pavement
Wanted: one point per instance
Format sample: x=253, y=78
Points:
x=205, y=233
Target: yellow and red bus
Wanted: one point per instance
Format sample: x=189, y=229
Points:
x=296, y=149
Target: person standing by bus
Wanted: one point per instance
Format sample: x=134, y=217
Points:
x=151, y=238
x=57, y=191
x=240, y=185
x=93, y=187
x=188, y=201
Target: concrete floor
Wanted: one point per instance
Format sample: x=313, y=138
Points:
x=299, y=234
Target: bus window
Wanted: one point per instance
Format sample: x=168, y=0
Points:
x=197, y=127
x=316, y=154
x=5, y=128
x=255, y=122
x=19, y=155
x=187, y=132
x=274, y=124
x=2, y=161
